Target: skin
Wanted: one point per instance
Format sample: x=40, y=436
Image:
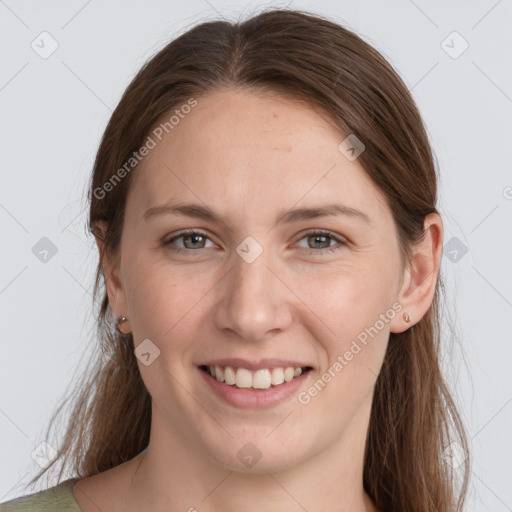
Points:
x=248, y=157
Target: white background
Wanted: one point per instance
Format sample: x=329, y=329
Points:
x=54, y=110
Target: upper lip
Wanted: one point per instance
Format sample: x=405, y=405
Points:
x=261, y=364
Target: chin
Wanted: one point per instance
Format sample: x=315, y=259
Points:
x=258, y=453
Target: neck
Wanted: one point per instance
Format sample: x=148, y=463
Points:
x=174, y=474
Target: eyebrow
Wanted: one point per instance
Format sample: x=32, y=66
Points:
x=198, y=211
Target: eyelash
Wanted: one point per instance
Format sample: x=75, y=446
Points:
x=314, y=232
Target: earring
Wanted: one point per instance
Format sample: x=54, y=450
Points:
x=120, y=320
x=406, y=317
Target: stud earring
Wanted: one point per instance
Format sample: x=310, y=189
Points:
x=406, y=317
x=120, y=320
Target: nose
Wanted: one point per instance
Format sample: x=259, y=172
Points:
x=255, y=302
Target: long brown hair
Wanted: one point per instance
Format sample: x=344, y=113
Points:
x=414, y=419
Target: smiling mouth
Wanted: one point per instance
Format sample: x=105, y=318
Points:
x=243, y=378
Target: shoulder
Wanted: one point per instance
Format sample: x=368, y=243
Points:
x=59, y=498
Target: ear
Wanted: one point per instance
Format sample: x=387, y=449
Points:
x=115, y=291
x=420, y=278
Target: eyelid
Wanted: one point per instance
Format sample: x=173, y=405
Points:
x=321, y=232
x=342, y=242
x=189, y=231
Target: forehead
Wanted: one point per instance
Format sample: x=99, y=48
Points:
x=252, y=151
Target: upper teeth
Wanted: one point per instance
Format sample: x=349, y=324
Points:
x=260, y=379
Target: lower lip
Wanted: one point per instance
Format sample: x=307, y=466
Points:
x=255, y=399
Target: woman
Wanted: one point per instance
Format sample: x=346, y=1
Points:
x=264, y=205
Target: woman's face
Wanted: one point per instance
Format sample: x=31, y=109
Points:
x=257, y=284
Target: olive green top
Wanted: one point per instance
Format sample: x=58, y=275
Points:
x=59, y=498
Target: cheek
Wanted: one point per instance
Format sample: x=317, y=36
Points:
x=347, y=299
x=336, y=303
x=152, y=296
x=352, y=305
x=352, y=313
x=165, y=303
